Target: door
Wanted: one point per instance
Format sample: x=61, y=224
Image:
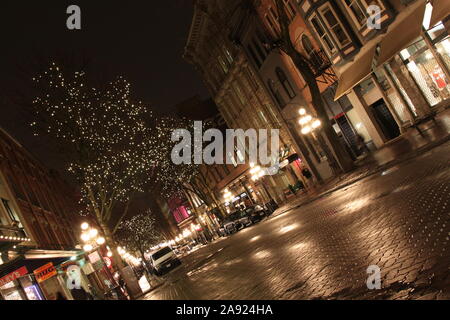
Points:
x=385, y=119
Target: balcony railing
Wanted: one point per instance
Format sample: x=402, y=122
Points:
x=319, y=62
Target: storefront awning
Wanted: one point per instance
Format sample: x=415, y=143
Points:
x=402, y=33
x=357, y=72
x=441, y=9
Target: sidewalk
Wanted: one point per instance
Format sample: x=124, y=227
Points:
x=408, y=146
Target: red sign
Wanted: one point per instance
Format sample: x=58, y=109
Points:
x=45, y=272
x=13, y=276
x=107, y=261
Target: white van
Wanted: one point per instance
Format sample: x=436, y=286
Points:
x=164, y=260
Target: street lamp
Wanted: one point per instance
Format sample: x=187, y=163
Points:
x=90, y=237
x=257, y=173
x=308, y=122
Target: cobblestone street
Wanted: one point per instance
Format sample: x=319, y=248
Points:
x=397, y=219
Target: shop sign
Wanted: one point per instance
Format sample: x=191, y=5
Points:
x=107, y=261
x=96, y=260
x=13, y=276
x=45, y=272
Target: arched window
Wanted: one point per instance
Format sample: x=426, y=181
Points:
x=285, y=83
x=276, y=93
x=307, y=45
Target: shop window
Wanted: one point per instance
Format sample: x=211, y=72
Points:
x=439, y=37
x=285, y=83
x=426, y=72
x=402, y=89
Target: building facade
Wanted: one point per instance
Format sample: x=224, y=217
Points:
x=36, y=226
x=390, y=65
x=242, y=98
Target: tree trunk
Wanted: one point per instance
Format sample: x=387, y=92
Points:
x=117, y=259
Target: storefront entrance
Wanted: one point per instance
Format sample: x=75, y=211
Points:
x=385, y=119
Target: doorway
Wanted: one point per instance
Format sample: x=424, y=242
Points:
x=385, y=119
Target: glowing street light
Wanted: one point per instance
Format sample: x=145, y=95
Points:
x=85, y=237
x=316, y=124
x=100, y=241
x=93, y=233
x=84, y=226
x=308, y=122
x=88, y=247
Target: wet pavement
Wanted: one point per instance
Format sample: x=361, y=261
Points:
x=397, y=219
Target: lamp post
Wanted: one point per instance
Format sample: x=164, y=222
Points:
x=257, y=173
x=90, y=237
x=308, y=122
x=228, y=196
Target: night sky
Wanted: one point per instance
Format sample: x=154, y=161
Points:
x=142, y=40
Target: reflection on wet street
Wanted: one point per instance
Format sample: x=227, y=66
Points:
x=397, y=220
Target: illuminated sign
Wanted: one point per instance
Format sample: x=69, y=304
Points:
x=13, y=276
x=45, y=272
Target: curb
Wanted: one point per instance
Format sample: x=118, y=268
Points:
x=379, y=168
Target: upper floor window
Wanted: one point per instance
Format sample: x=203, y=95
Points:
x=358, y=10
x=273, y=13
x=323, y=35
x=239, y=94
x=307, y=45
x=271, y=24
x=228, y=55
x=11, y=213
x=254, y=56
x=290, y=9
x=334, y=25
x=259, y=49
x=278, y=97
x=223, y=64
x=285, y=83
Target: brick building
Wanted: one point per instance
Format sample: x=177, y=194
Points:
x=36, y=228
x=241, y=96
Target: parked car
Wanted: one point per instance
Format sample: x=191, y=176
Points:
x=232, y=223
x=164, y=260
